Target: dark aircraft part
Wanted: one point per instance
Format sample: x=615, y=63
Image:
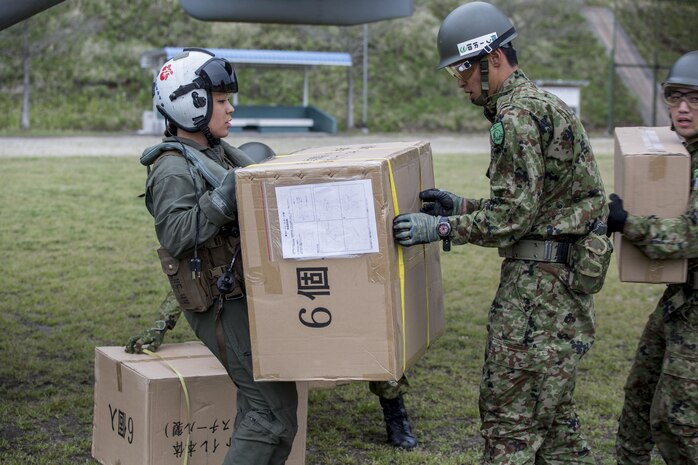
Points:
x=323, y=12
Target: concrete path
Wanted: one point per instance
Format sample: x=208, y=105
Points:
x=637, y=77
x=133, y=145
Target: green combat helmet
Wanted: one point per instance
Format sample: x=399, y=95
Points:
x=469, y=33
x=684, y=72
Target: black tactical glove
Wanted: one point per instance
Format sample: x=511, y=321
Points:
x=441, y=203
x=616, y=215
x=415, y=228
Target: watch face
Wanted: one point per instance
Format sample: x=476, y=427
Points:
x=444, y=229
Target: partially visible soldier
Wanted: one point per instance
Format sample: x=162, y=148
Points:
x=546, y=195
x=397, y=423
x=661, y=392
x=390, y=393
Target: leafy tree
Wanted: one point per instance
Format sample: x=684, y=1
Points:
x=36, y=39
x=85, y=69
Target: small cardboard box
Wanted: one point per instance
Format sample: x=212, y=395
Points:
x=141, y=415
x=652, y=174
x=331, y=295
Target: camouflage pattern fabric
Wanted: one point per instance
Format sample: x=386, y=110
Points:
x=153, y=337
x=389, y=389
x=536, y=190
x=544, y=184
x=538, y=331
x=661, y=392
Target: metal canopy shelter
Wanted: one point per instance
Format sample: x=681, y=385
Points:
x=154, y=60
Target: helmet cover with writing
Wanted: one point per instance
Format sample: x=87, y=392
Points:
x=182, y=89
x=472, y=30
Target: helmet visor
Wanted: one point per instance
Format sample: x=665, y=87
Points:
x=219, y=75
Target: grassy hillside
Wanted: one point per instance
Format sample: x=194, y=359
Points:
x=662, y=30
x=85, y=72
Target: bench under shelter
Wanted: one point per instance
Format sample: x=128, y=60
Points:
x=265, y=118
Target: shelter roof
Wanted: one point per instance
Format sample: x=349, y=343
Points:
x=288, y=58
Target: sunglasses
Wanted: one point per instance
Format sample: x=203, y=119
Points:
x=673, y=97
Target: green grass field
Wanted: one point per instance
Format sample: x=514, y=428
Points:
x=80, y=270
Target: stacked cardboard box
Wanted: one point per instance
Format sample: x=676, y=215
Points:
x=142, y=415
x=652, y=175
x=331, y=296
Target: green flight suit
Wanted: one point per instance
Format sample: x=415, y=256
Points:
x=177, y=197
x=544, y=185
x=661, y=392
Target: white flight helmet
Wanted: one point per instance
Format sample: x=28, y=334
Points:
x=182, y=90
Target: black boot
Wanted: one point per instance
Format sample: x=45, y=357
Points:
x=397, y=423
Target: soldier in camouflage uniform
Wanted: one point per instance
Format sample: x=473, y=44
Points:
x=661, y=392
x=545, y=193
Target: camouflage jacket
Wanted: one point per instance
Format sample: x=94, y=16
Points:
x=667, y=238
x=544, y=181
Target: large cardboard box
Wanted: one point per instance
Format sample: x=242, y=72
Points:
x=652, y=175
x=141, y=415
x=331, y=296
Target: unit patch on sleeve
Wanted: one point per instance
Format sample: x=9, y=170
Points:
x=497, y=133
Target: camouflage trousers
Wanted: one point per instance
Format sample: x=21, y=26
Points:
x=661, y=392
x=389, y=389
x=538, y=331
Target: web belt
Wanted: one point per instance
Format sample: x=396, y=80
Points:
x=540, y=251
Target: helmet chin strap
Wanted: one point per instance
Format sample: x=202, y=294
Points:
x=212, y=141
x=484, y=82
x=203, y=127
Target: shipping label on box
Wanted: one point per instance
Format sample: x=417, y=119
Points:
x=331, y=296
x=142, y=415
x=652, y=171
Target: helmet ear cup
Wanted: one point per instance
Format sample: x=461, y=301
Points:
x=199, y=102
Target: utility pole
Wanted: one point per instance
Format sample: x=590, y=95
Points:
x=612, y=71
x=364, y=127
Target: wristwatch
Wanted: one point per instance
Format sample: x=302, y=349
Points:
x=443, y=229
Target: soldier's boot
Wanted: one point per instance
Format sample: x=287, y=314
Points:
x=397, y=423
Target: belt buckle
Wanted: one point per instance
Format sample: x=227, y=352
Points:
x=549, y=250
